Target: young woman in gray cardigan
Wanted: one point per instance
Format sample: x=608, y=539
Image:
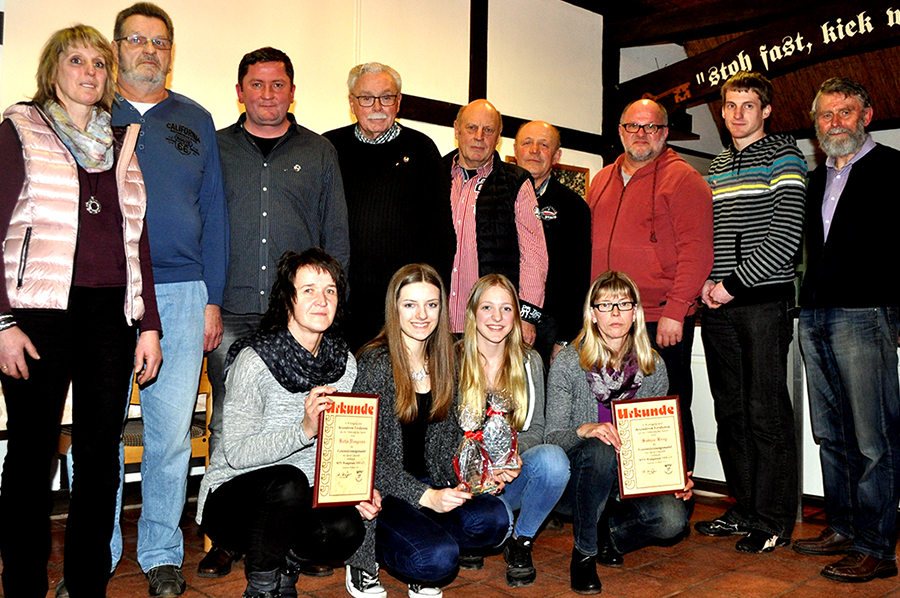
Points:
x=611, y=359
x=426, y=518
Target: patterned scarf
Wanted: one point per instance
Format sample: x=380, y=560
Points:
x=93, y=147
x=295, y=368
x=608, y=384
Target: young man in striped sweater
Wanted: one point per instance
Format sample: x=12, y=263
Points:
x=758, y=186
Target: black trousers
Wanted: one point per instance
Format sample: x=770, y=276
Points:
x=681, y=383
x=266, y=512
x=91, y=345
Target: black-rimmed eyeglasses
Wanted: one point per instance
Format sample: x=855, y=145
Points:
x=369, y=101
x=606, y=306
x=649, y=129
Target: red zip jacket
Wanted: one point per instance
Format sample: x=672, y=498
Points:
x=658, y=229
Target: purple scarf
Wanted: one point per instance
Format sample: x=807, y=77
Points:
x=608, y=384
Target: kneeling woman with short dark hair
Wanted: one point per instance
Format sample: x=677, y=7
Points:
x=256, y=496
x=610, y=360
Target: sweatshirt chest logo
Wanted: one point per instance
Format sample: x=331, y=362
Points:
x=183, y=139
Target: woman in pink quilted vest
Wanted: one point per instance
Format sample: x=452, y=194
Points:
x=77, y=306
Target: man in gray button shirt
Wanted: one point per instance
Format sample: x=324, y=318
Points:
x=283, y=184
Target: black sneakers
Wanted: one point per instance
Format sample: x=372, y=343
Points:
x=758, y=542
x=520, y=570
x=721, y=526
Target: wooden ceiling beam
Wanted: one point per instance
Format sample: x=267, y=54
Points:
x=703, y=20
x=780, y=48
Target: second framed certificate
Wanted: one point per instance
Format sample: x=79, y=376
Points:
x=345, y=451
x=651, y=458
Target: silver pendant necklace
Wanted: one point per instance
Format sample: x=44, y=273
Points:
x=92, y=205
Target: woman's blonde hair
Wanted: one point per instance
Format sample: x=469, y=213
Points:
x=472, y=383
x=62, y=41
x=596, y=352
x=439, y=353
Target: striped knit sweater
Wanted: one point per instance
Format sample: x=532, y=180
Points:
x=758, y=206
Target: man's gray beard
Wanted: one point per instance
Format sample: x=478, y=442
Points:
x=156, y=81
x=642, y=157
x=837, y=147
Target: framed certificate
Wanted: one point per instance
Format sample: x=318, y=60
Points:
x=651, y=458
x=345, y=451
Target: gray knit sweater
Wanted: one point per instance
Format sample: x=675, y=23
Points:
x=570, y=402
x=262, y=425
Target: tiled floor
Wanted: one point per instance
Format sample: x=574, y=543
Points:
x=698, y=567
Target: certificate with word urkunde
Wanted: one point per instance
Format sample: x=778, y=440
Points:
x=345, y=450
x=651, y=458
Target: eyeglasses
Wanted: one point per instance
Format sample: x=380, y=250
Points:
x=369, y=101
x=138, y=41
x=606, y=306
x=649, y=129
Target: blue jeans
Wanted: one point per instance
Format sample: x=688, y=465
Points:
x=635, y=522
x=422, y=545
x=167, y=406
x=594, y=475
x=854, y=403
x=746, y=359
x=235, y=326
x=544, y=475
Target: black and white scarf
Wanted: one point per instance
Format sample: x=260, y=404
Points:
x=291, y=364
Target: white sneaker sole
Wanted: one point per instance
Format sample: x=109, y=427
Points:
x=426, y=592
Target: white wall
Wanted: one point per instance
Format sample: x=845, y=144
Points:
x=545, y=63
x=543, y=55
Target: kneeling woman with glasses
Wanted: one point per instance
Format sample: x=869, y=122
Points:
x=610, y=360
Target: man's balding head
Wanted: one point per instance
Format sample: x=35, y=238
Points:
x=537, y=149
x=477, y=129
x=641, y=146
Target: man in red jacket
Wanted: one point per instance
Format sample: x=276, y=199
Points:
x=652, y=219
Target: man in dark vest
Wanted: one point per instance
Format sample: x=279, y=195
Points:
x=493, y=206
x=566, y=219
